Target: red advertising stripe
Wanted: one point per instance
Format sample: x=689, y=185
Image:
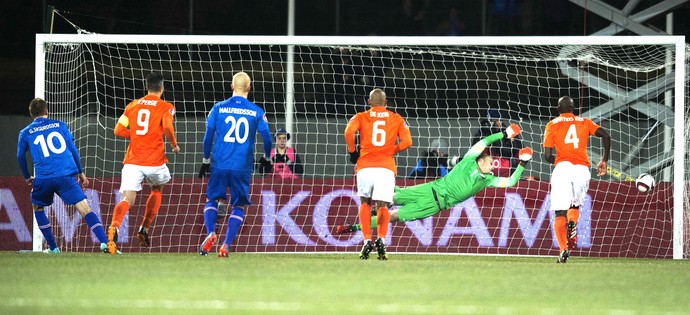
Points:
x=299, y=215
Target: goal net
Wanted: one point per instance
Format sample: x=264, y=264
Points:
x=446, y=89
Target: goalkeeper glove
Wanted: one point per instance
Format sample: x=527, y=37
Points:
x=512, y=131
x=354, y=156
x=525, y=154
x=205, y=167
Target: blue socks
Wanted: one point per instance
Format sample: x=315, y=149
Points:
x=44, y=225
x=96, y=227
x=234, y=221
x=210, y=216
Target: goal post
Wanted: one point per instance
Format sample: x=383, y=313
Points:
x=443, y=87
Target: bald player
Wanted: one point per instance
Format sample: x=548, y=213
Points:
x=231, y=133
x=144, y=123
x=382, y=134
x=568, y=135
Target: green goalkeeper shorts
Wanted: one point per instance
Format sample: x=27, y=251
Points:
x=416, y=202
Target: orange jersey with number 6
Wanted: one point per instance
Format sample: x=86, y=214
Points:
x=144, y=117
x=379, y=131
x=569, y=135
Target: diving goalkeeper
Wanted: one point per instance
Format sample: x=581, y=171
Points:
x=466, y=179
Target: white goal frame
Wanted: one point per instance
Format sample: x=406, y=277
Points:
x=679, y=89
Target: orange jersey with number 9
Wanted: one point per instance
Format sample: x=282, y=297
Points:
x=144, y=117
x=569, y=135
x=379, y=131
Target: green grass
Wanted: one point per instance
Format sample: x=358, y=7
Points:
x=80, y=283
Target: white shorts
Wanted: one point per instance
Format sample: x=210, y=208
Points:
x=569, y=185
x=133, y=175
x=377, y=183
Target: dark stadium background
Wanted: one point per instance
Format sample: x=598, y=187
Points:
x=21, y=20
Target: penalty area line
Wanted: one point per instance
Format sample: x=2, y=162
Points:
x=274, y=306
x=157, y=304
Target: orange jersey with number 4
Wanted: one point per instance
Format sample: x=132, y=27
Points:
x=569, y=135
x=379, y=131
x=144, y=117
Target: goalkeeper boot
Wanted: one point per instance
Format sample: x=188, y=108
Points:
x=381, y=249
x=572, y=234
x=223, y=252
x=143, y=236
x=563, y=257
x=207, y=245
x=342, y=229
x=366, y=249
x=112, y=240
x=52, y=251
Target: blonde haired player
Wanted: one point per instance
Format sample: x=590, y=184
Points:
x=569, y=134
x=148, y=119
x=382, y=134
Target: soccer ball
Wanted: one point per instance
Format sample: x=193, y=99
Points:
x=645, y=182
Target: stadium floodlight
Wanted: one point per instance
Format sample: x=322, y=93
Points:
x=634, y=86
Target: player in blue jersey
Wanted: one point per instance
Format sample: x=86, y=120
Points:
x=56, y=162
x=233, y=123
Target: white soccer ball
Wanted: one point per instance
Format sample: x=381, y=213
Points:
x=645, y=182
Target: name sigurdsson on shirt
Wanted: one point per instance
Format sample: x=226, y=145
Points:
x=41, y=128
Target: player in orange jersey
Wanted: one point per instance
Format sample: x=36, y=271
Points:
x=569, y=134
x=148, y=119
x=379, y=132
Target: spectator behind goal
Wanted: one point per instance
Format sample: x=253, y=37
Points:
x=284, y=162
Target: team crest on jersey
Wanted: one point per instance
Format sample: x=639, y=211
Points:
x=171, y=111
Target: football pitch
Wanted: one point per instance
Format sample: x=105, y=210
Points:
x=89, y=283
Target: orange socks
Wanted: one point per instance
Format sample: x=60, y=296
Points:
x=365, y=220
x=383, y=217
x=559, y=227
x=119, y=213
x=153, y=204
x=573, y=215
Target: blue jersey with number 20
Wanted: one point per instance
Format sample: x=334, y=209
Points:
x=52, y=149
x=234, y=123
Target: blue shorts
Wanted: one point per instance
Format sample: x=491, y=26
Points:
x=66, y=187
x=238, y=181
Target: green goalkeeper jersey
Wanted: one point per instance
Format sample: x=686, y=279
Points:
x=465, y=180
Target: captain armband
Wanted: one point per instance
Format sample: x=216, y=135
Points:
x=123, y=121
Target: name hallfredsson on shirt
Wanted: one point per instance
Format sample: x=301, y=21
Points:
x=239, y=111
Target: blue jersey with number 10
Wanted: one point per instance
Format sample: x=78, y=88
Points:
x=234, y=123
x=52, y=149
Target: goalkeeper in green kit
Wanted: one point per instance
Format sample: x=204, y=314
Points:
x=467, y=178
